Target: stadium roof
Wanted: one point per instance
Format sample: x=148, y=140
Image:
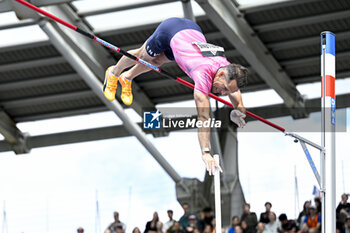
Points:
x=279, y=43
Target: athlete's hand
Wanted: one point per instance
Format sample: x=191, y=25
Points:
x=210, y=163
x=238, y=118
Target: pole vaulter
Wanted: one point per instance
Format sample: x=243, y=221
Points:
x=326, y=179
x=157, y=69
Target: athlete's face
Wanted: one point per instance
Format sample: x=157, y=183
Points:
x=221, y=86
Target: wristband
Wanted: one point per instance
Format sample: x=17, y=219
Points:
x=206, y=150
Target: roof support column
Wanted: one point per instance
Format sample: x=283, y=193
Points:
x=187, y=8
x=12, y=134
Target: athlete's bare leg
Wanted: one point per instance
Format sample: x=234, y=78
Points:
x=116, y=73
x=140, y=68
x=126, y=62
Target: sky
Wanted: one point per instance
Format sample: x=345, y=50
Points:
x=54, y=189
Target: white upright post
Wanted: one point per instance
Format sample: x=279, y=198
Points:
x=328, y=131
x=217, y=194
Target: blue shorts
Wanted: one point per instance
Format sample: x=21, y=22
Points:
x=159, y=41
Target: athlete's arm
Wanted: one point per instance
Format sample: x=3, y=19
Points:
x=236, y=100
x=202, y=103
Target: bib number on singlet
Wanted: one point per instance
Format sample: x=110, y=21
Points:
x=210, y=50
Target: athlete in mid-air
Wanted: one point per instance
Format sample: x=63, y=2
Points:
x=182, y=40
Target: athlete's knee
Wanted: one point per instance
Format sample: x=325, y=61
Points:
x=160, y=60
x=136, y=52
x=157, y=61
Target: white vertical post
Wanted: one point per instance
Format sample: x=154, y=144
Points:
x=328, y=131
x=217, y=194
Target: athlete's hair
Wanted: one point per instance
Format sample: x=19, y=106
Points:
x=238, y=73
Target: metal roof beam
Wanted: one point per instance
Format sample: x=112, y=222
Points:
x=251, y=8
x=123, y=7
x=13, y=136
x=8, y=128
x=64, y=113
x=110, y=132
x=39, y=82
x=317, y=78
x=32, y=63
x=311, y=60
x=209, y=36
x=115, y=31
x=163, y=82
x=102, y=32
x=301, y=21
x=5, y=6
x=312, y=105
x=23, y=23
x=304, y=41
x=187, y=9
x=63, y=138
x=24, y=46
x=229, y=20
x=9, y=104
x=173, y=98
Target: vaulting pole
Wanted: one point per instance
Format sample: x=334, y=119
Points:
x=118, y=50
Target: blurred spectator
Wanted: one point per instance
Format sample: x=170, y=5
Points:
x=261, y=228
x=343, y=204
x=112, y=228
x=208, y=229
x=177, y=228
x=169, y=224
x=312, y=223
x=136, y=230
x=273, y=225
x=159, y=227
x=346, y=228
x=249, y=217
x=238, y=229
x=201, y=223
x=213, y=224
x=304, y=213
x=247, y=229
x=80, y=230
x=287, y=225
x=184, y=219
x=343, y=208
x=205, y=218
x=151, y=226
x=208, y=216
x=120, y=229
x=235, y=222
x=264, y=217
x=318, y=205
x=192, y=224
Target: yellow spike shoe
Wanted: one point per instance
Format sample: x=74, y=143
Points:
x=126, y=90
x=110, y=84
